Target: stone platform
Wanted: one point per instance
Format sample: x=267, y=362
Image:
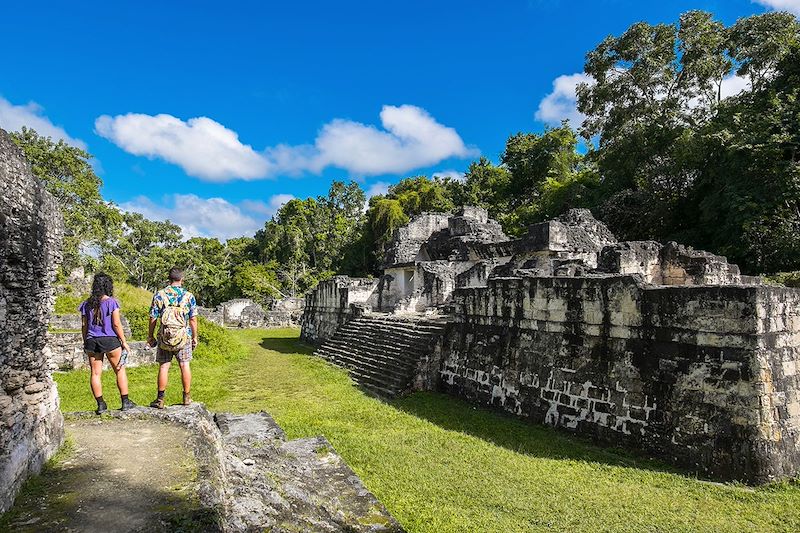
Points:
x=254, y=479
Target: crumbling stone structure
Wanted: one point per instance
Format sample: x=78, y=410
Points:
x=658, y=348
x=31, y=228
x=245, y=313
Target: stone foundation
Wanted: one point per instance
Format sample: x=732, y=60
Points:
x=703, y=377
x=31, y=426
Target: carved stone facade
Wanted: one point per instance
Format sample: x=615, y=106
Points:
x=31, y=228
x=659, y=348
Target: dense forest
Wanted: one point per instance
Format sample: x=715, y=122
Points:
x=663, y=153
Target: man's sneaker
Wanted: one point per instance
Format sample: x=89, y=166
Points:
x=158, y=403
x=127, y=404
x=187, y=398
x=101, y=407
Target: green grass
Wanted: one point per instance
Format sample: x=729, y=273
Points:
x=441, y=465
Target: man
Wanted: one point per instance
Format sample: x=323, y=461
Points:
x=177, y=337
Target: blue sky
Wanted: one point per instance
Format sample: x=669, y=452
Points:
x=213, y=113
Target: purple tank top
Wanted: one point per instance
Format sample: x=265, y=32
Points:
x=103, y=329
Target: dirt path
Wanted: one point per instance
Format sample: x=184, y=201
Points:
x=115, y=475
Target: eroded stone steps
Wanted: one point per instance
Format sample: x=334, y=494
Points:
x=394, y=374
x=401, y=357
x=380, y=353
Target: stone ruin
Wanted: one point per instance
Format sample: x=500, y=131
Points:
x=31, y=425
x=654, y=347
x=245, y=313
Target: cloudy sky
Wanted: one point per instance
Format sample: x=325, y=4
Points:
x=213, y=114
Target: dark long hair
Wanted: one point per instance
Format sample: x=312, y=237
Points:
x=102, y=285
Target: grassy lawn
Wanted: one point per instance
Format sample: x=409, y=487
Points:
x=441, y=465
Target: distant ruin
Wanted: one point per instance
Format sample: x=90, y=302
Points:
x=658, y=348
x=246, y=313
x=31, y=228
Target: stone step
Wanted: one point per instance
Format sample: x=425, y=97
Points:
x=410, y=355
x=381, y=367
x=411, y=336
x=400, y=326
x=383, y=338
x=381, y=354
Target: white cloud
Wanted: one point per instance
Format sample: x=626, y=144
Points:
x=198, y=217
x=379, y=187
x=452, y=174
x=201, y=146
x=268, y=208
x=733, y=85
x=792, y=6
x=562, y=102
x=410, y=138
x=31, y=115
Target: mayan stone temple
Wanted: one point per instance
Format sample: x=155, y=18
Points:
x=657, y=348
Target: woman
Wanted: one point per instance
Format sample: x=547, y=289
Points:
x=103, y=335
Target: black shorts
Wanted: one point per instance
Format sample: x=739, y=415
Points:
x=101, y=344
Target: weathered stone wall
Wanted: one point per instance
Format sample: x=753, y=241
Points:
x=31, y=426
x=332, y=303
x=66, y=353
x=245, y=313
x=706, y=377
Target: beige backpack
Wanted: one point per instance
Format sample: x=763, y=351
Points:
x=173, y=336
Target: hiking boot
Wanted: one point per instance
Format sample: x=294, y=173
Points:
x=127, y=404
x=187, y=398
x=158, y=403
x=101, y=407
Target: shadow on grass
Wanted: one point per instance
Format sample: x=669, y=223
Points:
x=288, y=345
x=497, y=427
x=504, y=430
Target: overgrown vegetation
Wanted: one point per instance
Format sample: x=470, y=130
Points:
x=441, y=465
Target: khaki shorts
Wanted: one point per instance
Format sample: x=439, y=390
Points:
x=184, y=355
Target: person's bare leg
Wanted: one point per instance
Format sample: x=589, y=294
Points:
x=122, y=375
x=186, y=376
x=163, y=376
x=96, y=365
x=186, y=380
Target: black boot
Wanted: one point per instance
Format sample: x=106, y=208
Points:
x=127, y=404
x=101, y=406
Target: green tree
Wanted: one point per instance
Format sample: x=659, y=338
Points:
x=422, y=194
x=746, y=202
x=68, y=175
x=656, y=87
x=143, y=248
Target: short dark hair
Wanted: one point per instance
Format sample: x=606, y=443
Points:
x=175, y=274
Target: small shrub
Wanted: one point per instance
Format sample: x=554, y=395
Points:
x=139, y=320
x=217, y=344
x=67, y=304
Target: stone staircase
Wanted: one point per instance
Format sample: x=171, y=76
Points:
x=382, y=352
